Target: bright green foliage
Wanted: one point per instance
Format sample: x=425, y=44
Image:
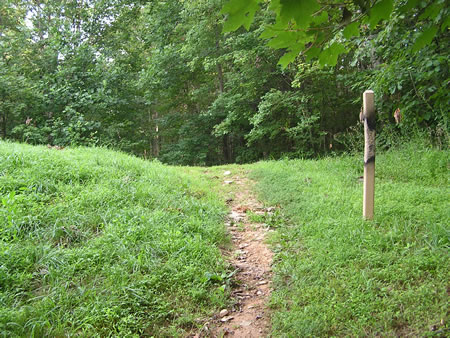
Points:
x=98, y=243
x=351, y=30
x=330, y=55
x=413, y=82
x=159, y=78
x=425, y=38
x=337, y=275
x=300, y=11
x=302, y=25
x=241, y=14
x=74, y=80
x=380, y=11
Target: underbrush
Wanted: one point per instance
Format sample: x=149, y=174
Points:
x=98, y=243
x=338, y=275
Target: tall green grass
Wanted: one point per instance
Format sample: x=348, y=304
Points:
x=98, y=243
x=337, y=275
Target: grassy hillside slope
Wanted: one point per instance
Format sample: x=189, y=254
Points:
x=336, y=274
x=95, y=242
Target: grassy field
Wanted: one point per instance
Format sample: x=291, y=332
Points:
x=98, y=243
x=337, y=275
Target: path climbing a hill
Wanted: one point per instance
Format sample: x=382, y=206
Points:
x=251, y=258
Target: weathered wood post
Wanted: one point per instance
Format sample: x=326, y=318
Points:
x=369, y=154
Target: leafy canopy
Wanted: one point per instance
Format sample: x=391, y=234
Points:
x=323, y=29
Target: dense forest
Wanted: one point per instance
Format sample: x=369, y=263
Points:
x=163, y=79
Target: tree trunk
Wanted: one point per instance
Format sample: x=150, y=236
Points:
x=220, y=77
x=227, y=144
x=3, y=120
x=156, y=140
x=227, y=149
x=219, y=65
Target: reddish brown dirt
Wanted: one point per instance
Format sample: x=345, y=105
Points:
x=252, y=259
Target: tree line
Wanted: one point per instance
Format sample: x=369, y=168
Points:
x=161, y=79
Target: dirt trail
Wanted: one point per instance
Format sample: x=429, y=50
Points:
x=252, y=259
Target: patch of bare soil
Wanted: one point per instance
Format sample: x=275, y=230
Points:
x=252, y=259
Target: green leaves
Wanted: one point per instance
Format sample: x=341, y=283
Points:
x=320, y=18
x=240, y=13
x=432, y=11
x=351, y=30
x=381, y=10
x=425, y=38
x=446, y=23
x=299, y=10
x=330, y=55
x=290, y=56
x=300, y=23
x=283, y=40
x=409, y=5
x=313, y=52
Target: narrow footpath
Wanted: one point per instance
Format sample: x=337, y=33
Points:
x=251, y=259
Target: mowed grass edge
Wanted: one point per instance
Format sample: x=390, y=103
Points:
x=338, y=275
x=98, y=243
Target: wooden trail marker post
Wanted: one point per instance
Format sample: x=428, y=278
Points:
x=369, y=154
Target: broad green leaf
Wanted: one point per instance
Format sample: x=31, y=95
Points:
x=381, y=10
x=321, y=18
x=240, y=13
x=290, y=56
x=299, y=10
x=320, y=37
x=330, y=55
x=287, y=59
x=446, y=23
x=275, y=6
x=283, y=40
x=351, y=30
x=272, y=30
x=425, y=38
x=313, y=52
x=268, y=33
x=431, y=12
x=409, y=5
